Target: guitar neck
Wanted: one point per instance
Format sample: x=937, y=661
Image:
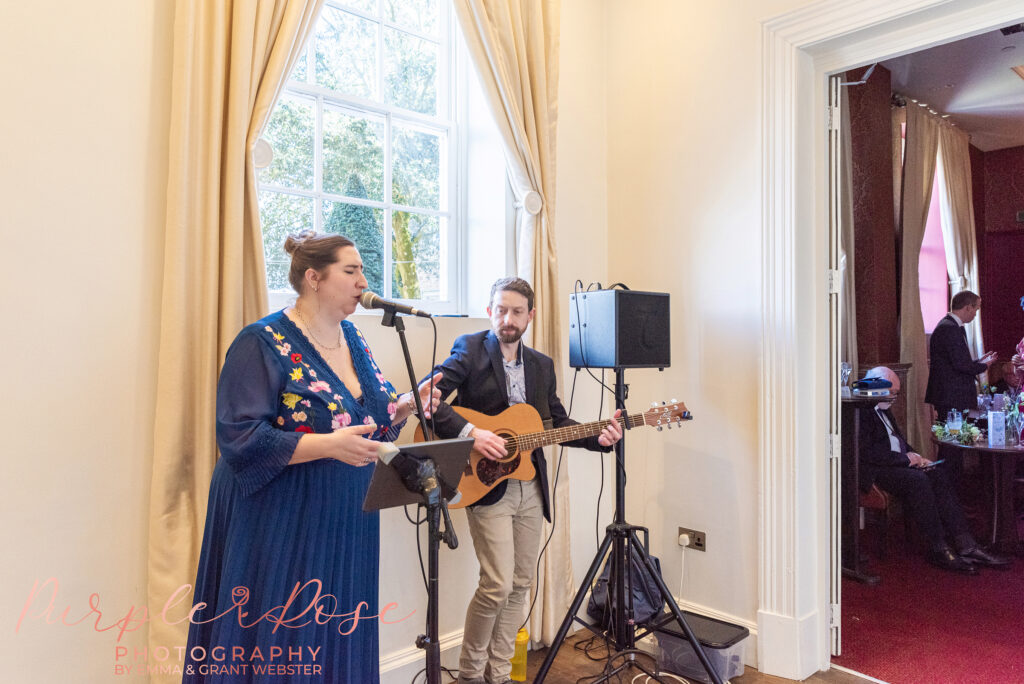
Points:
x=535, y=440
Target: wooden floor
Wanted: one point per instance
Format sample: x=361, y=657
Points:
x=573, y=665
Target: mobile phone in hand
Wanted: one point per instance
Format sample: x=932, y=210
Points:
x=929, y=466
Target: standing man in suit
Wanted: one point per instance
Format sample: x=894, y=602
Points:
x=951, y=370
x=886, y=459
x=491, y=370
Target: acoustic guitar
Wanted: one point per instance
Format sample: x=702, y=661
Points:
x=523, y=431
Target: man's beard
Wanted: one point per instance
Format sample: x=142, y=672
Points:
x=506, y=337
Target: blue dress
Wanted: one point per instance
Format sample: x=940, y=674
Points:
x=288, y=554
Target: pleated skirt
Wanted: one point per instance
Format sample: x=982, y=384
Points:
x=289, y=579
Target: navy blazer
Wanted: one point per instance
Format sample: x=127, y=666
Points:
x=876, y=449
x=951, y=370
x=475, y=370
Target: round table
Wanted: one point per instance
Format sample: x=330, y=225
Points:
x=1004, y=460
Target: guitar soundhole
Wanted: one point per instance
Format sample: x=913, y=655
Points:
x=489, y=471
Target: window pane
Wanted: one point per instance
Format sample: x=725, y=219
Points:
x=353, y=155
x=410, y=74
x=368, y=6
x=299, y=71
x=416, y=168
x=346, y=53
x=365, y=227
x=418, y=15
x=416, y=256
x=280, y=215
x=290, y=134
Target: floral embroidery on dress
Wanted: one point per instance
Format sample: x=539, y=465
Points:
x=300, y=369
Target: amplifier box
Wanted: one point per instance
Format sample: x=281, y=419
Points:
x=619, y=329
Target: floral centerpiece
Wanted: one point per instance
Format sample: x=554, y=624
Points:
x=969, y=433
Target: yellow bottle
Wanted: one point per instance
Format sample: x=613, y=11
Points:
x=519, y=657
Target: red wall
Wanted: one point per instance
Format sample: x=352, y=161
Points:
x=1001, y=241
x=873, y=221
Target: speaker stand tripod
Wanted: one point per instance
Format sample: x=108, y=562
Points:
x=621, y=541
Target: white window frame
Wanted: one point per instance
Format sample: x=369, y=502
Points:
x=452, y=198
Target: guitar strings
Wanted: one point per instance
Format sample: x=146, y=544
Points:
x=521, y=442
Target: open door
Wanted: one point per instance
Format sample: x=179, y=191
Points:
x=836, y=160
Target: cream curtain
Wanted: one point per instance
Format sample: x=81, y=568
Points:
x=956, y=204
x=231, y=58
x=514, y=45
x=918, y=177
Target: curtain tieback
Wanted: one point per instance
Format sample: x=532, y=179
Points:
x=532, y=202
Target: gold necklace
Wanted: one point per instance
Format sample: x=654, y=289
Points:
x=309, y=329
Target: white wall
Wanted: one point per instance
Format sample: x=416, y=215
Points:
x=582, y=231
x=84, y=129
x=684, y=217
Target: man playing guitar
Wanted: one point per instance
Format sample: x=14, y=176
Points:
x=492, y=370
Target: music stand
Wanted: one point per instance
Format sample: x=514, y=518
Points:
x=450, y=457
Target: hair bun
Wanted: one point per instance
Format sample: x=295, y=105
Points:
x=295, y=240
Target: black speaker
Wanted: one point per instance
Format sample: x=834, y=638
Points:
x=619, y=329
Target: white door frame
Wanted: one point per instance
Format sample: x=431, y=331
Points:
x=799, y=50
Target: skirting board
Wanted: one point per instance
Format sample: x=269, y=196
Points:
x=399, y=667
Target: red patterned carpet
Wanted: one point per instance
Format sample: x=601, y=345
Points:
x=922, y=624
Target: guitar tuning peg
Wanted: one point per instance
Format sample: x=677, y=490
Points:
x=662, y=403
x=675, y=401
x=659, y=428
x=654, y=404
x=669, y=425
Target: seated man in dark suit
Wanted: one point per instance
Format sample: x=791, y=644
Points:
x=888, y=461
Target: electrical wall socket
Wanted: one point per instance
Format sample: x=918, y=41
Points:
x=698, y=540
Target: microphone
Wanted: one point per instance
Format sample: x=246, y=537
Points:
x=371, y=300
x=419, y=475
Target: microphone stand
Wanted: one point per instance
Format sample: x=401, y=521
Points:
x=429, y=642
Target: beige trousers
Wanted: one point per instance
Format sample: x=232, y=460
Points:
x=506, y=537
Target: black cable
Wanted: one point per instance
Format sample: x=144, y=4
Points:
x=600, y=490
x=451, y=673
x=554, y=508
x=579, y=330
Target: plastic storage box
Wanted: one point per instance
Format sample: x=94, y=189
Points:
x=722, y=642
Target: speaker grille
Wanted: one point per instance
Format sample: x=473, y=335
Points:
x=619, y=329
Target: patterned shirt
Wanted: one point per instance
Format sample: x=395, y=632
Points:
x=515, y=384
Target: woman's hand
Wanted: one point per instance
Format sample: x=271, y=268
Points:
x=429, y=400
x=349, y=445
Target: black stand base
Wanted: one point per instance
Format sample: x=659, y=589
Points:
x=621, y=541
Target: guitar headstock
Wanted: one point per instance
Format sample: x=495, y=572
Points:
x=666, y=413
